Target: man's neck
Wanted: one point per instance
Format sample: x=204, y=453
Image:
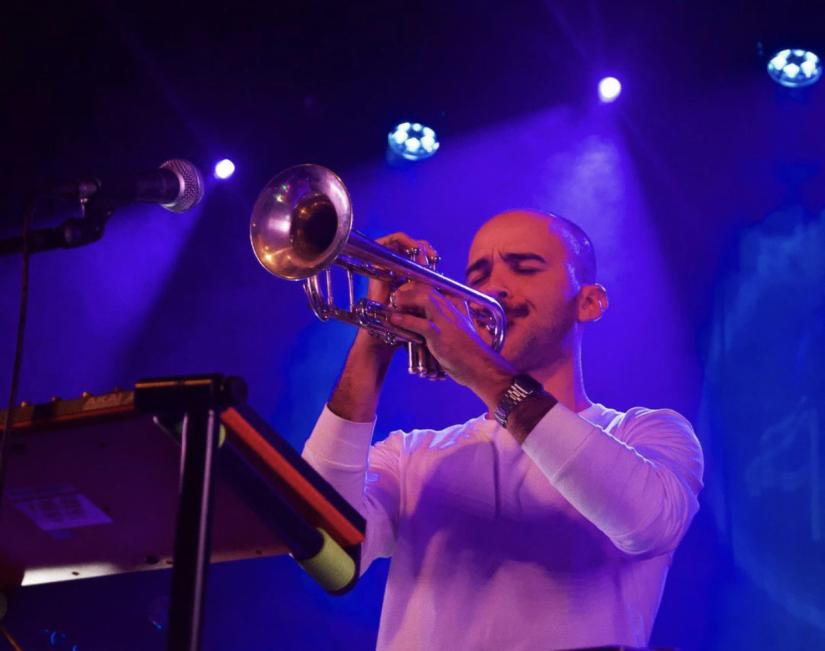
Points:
x=565, y=382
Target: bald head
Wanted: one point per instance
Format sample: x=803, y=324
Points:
x=575, y=240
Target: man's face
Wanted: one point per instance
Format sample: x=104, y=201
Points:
x=521, y=260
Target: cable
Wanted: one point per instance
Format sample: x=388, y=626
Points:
x=28, y=215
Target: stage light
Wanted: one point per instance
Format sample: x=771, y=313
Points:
x=224, y=169
x=609, y=89
x=795, y=68
x=413, y=141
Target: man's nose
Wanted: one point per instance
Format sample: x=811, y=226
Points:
x=497, y=293
x=496, y=287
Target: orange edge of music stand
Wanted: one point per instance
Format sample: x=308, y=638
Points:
x=266, y=458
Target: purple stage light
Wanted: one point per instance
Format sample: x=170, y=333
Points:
x=224, y=169
x=609, y=89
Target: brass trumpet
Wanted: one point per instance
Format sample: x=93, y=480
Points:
x=302, y=224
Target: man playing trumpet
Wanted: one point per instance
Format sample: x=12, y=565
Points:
x=550, y=521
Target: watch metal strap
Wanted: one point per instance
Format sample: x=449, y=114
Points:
x=521, y=387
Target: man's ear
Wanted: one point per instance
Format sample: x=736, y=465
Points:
x=593, y=302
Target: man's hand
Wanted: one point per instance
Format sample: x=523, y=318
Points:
x=453, y=340
x=379, y=290
x=400, y=243
x=358, y=388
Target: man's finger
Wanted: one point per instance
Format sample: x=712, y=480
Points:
x=427, y=250
x=416, y=296
x=417, y=324
x=419, y=250
x=398, y=241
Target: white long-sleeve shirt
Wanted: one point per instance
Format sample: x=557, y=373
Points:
x=562, y=542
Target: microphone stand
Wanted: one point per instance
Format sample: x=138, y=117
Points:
x=73, y=232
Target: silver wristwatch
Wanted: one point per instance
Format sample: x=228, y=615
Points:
x=522, y=386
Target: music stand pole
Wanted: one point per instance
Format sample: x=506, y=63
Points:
x=192, y=531
x=200, y=398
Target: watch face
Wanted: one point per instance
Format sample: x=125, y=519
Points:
x=528, y=383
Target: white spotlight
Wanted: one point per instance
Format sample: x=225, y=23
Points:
x=795, y=68
x=224, y=169
x=609, y=89
x=413, y=141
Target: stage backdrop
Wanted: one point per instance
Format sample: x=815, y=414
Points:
x=723, y=323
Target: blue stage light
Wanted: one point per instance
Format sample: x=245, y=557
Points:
x=224, y=169
x=795, y=68
x=609, y=89
x=413, y=141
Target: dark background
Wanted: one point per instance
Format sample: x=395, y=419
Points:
x=702, y=187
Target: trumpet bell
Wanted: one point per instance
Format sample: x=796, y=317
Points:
x=301, y=222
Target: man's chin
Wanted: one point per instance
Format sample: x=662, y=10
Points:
x=516, y=352
x=513, y=325
x=522, y=351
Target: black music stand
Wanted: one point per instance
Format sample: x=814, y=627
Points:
x=268, y=500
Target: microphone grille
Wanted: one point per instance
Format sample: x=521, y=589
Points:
x=191, y=185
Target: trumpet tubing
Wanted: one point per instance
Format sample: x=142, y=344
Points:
x=301, y=225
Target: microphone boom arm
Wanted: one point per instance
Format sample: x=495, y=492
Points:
x=98, y=203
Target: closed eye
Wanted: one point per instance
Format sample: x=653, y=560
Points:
x=525, y=264
x=526, y=270
x=477, y=280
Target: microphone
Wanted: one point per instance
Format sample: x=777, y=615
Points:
x=177, y=185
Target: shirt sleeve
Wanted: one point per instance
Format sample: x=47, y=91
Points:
x=366, y=476
x=639, y=485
